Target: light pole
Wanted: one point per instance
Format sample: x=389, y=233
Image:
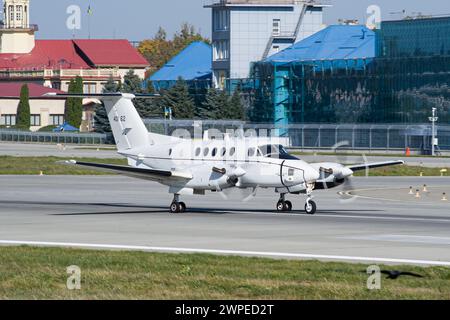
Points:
x=433, y=120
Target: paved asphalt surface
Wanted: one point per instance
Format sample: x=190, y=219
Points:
x=382, y=223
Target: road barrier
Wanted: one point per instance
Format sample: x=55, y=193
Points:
x=54, y=137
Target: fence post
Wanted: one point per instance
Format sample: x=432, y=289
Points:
x=388, y=139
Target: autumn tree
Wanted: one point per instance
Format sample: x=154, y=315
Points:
x=159, y=50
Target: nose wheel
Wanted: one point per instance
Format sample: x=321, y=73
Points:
x=310, y=207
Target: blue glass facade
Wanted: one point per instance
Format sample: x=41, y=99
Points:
x=414, y=38
x=409, y=76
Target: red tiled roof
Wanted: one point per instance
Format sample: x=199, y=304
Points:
x=12, y=90
x=111, y=53
x=46, y=54
x=75, y=54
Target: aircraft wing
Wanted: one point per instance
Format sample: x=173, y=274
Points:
x=139, y=173
x=365, y=166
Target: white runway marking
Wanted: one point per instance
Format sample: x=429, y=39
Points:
x=228, y=252
x=404, y=238
x=356, y=217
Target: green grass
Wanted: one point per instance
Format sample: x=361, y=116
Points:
x=33, y=165
x=402, y=170
x=40, y=273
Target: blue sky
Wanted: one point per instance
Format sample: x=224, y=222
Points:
x=139, y=19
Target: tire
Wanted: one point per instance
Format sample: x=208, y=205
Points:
x=288, y=206
x=312, y=208
x=280, y=206
x=182, y=207
x=175, y=207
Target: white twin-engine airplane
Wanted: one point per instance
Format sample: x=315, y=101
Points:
x=190, y=167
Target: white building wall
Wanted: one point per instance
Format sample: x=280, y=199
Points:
x=250, y=32
x=251, y=29
x=43, y=107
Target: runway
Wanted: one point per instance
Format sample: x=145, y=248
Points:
x=381, y=222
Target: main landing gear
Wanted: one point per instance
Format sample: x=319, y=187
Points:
x=177, y=206
x=283, y=205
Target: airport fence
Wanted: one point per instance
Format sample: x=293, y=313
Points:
x=54, y=137
x=372, y=137
x=299, y=136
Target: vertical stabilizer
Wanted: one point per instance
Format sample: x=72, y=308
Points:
x=127, y=126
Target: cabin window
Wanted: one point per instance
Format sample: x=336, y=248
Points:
x=197, y=151
x=251, y=152
x=206, y=152
x=232, y=151
x=214, y=152
x=170, y=152
x=224, y=152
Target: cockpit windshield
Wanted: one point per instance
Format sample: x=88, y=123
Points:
x=276, y=151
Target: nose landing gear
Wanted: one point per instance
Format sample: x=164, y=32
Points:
x=177, y=206
x=310, y=205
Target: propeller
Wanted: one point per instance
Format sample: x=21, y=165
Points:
x=243, y=194
x=233, y=174
x=346, y=173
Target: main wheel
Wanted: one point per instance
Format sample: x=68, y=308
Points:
x=310, y=207
x=288, y=206
x=281, y=206
x=182, y=207
x=175, y=207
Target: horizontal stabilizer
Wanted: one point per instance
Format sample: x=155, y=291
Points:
x=141, y=173
x=101, y=96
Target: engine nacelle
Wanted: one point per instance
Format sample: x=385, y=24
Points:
x=329, y=183
x=223, y=178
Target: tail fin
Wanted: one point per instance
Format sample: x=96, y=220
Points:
x=127, y=126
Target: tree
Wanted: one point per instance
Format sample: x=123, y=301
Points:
x=215, y=101
x=146, y=107
x=179, y=100
x=101, y=117
x=159, y=50
x=74, y=106
x=235, y=110
x=23, y=110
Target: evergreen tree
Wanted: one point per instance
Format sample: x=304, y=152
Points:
x=146, y=107
x=179, y=100
x=235, y=109
x=216, y=101
x=23, y=110
x=74, y=106
x=132, y=83
x=101, y=117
